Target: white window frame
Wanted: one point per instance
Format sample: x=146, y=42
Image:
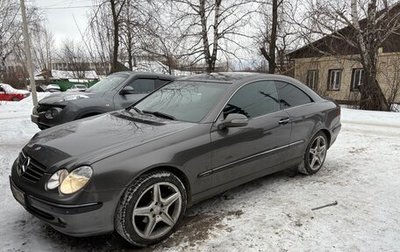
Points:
x=312, y=79
x=334, y=79
x=353, y=85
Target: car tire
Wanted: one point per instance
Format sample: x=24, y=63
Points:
x=315, y=154
x=151, y=208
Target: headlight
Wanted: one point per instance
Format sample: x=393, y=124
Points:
x=76, y=180
x=51, y=113
x=75, y=97
x=56, y=179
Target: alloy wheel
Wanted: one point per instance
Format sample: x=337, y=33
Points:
x=157, y=210
x=317, y=153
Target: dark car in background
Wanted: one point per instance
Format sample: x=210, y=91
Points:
x=116, y=91
x=136, y=170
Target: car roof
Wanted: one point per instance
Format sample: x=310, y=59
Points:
x=228, y=77
x=148, y=75
x=237, y=79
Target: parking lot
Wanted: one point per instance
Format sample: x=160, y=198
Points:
x=274, y=213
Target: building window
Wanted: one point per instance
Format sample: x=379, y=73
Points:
x=334, y=79
x=312, y=79
x=357, y=78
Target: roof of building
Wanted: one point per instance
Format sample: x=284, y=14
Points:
x=58, y=74
x=333, y=45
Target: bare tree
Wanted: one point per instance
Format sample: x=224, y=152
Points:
x=10, y=31
x=100, y=37
x=208, y=26
x=276, y=33
x=76, y=59
x=42, y=43
x=105, y=29
x=11, y=41
x=136, y=17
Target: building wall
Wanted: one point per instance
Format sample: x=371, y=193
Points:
x=388, y=74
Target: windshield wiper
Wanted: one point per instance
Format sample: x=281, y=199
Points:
x=159, y=114
x=137, y=110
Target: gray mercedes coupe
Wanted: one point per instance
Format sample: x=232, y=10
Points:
x=136, y=170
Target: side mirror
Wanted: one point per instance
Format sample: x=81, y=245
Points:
x=127, y=90
x=233, y=120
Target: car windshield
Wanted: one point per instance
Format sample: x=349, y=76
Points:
x=108, y=83
x=183, y=100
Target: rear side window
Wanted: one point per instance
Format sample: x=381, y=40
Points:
x=161, y=83
x=254, y=99
x=291, y=96
x=143, y=86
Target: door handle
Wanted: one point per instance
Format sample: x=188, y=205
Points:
x=284, y=121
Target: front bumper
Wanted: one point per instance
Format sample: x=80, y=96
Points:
x=38, y=116
x=76, y=220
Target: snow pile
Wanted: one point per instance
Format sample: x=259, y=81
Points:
x=273, y=213
x=370, y=117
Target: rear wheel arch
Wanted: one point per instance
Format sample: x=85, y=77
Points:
x=327, y=134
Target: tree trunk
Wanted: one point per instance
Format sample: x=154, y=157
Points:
x=272, y=44
x=114, y=62
x=270, y=55
x=372, y=97
x=204, y=35
x=216, y=35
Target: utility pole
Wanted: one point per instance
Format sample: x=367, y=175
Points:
x=28, y=52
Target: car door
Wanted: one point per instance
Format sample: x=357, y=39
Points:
x=257, y=147
x=304, y=115
x=141, y=87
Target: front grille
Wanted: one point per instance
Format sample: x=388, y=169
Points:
x=30, y=169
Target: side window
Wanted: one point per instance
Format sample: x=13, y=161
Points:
x=2, y=89
x=255, y=99
x=143, y=86
x=161, y=83
x=291, y=96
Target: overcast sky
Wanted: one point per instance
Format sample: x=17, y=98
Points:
x=60, y=17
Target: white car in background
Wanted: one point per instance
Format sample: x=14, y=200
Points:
x=77, y=88
x=52, y=88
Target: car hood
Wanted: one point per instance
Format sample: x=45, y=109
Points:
x=89, y=140
x=65, y=97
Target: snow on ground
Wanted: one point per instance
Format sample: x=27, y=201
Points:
x=361, y=173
